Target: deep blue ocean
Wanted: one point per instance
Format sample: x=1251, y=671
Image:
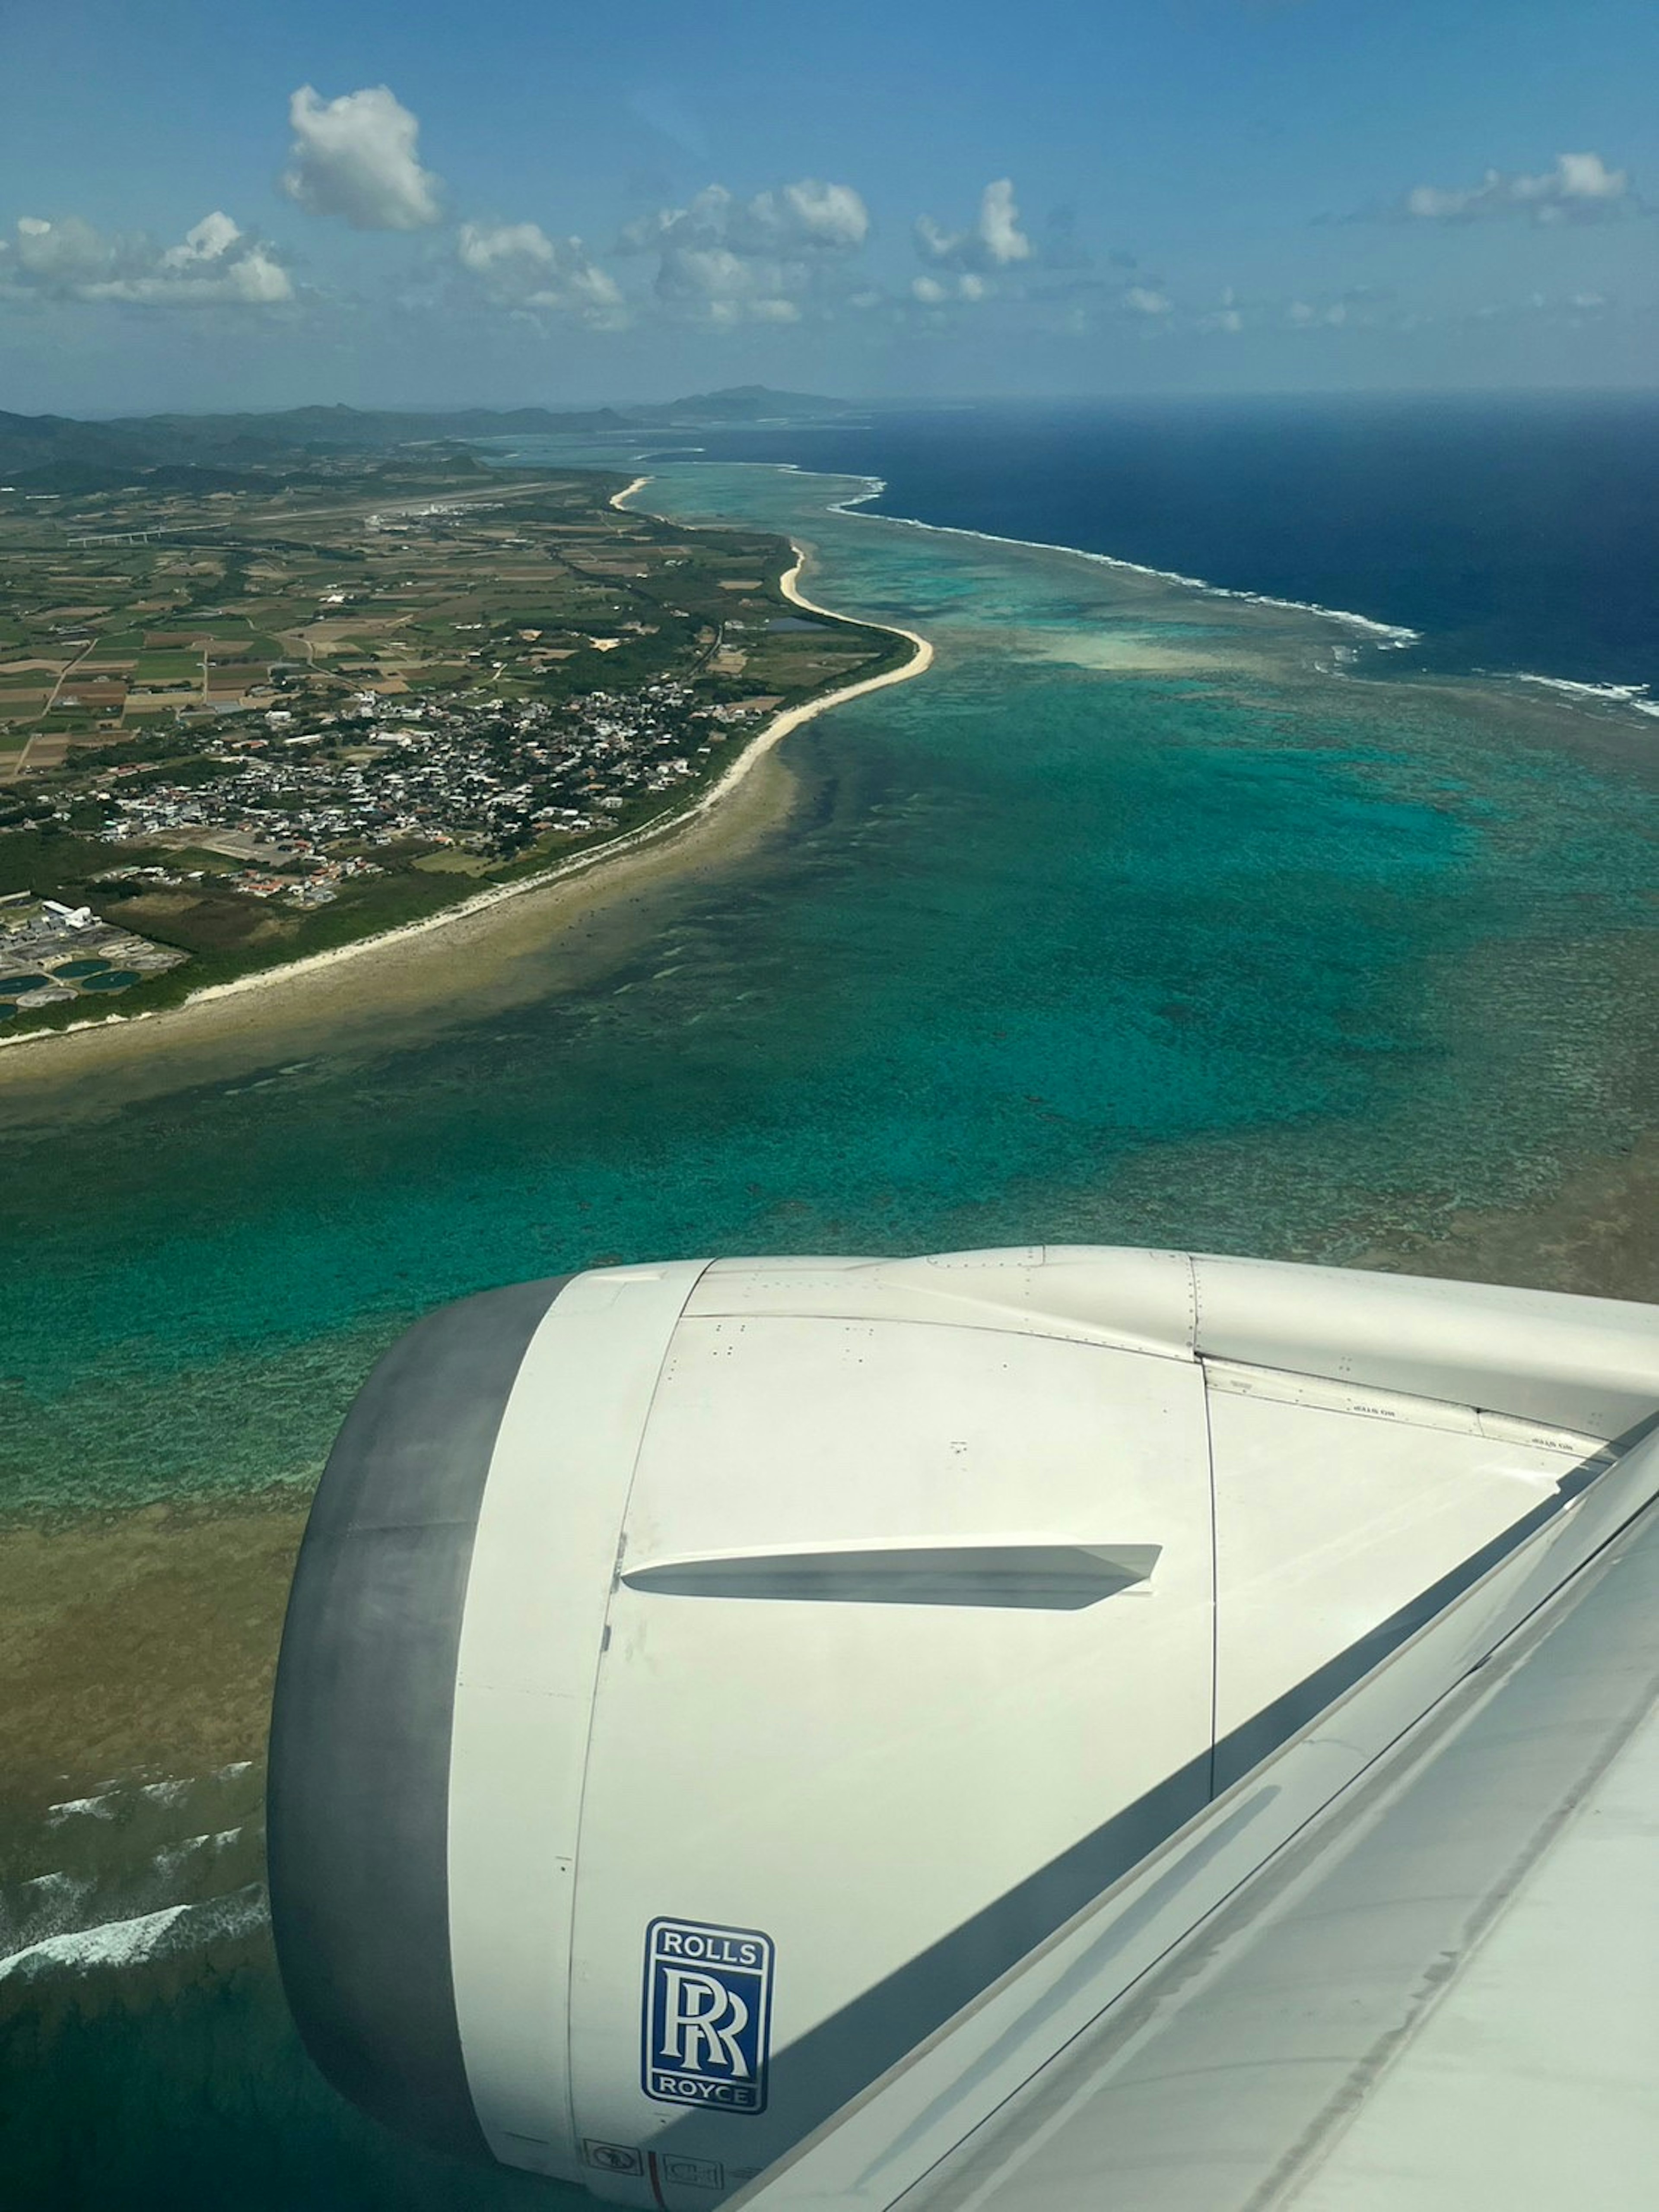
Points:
x=1513, y=532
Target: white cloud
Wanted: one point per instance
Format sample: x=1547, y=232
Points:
x=804, y=218
x=723, y=259
x=1306, y=316
x=356, y=157
x=215, y=264
x=714, y=284
x=516, y=264
x=998, y=225
x=59, y=256
x=1228, y=318
x=1143, y=300
x=826, y=215
x=934, y=291
x=1587, y=177
x=994, y=241
x=1580, y=188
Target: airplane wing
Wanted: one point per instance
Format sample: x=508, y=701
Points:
x=1443, y=1992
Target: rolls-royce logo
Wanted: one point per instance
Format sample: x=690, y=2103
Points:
x=707, y=2015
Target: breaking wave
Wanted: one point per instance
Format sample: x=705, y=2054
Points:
x=1386, y=636
x=1637, y=696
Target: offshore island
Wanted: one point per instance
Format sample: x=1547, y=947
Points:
x=254, y=718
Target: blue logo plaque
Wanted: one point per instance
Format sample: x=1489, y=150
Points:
x=707, y=2015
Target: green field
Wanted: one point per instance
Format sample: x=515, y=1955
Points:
x=167, y=667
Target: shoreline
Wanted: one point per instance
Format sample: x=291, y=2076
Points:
x=660, y=832
x=1387, y=637
x=1636, y=698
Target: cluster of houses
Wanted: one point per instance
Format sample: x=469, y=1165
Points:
x=489, y=775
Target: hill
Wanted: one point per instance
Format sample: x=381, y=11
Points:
x=57, y=453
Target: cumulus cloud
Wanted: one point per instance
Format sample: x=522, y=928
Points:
x=215, y=264
x=807, y=217
x=1580, y=188
x=1305, y=315
x=1227, y=317
x=516, y=264
x=716, y=284
x=1572, y=311
x=1146, y=299
x=994, y=241
x=356, y=157
x=831, y=216
x=934, y=291
x=724, y=259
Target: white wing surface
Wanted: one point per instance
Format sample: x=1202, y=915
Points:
x=1440, y=1992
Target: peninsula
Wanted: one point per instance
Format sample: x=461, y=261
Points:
x=258, y=725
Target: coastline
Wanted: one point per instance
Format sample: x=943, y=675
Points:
x=656, y=835
x=1386, y=636
x=1636, y=698
x=188, y=1594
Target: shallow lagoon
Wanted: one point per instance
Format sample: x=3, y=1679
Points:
x=1142, y=917
x=1246, y=952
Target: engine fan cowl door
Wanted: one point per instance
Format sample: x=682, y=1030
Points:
x=911, y=1654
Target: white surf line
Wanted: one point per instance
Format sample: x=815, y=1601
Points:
x=1383, y=637
x=145, y=1937
x=1386, y=636
x=1636, y=696
x=873, y=488
x=663, y=826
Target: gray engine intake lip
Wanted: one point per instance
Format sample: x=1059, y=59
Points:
x=357, y=1809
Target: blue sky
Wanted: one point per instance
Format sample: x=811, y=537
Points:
x=516, y=202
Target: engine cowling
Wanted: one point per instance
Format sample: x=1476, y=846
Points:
x=701, y=1680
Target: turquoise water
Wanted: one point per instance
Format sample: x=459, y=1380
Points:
x=1141, y=916
x=1224, y=951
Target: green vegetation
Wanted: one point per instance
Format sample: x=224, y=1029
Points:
x=272, y=719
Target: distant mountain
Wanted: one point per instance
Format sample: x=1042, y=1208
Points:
x=29, y=443
x=739, y=403
x=90, y=456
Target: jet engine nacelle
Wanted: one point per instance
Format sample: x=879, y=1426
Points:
x=701, y=1680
